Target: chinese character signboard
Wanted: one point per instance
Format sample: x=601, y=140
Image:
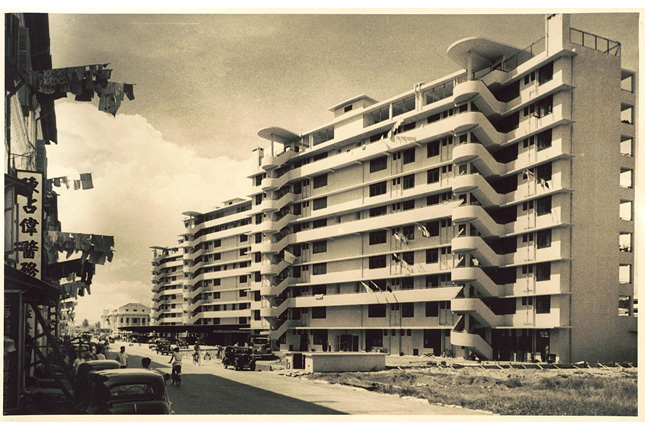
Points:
x=30, y=225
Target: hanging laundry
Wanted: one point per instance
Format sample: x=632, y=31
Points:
x=129, y=91
x=65, y=181
x=77, y=184
x=289, y=257
x=367, y=287
x=424, y=230
x=375, y=285
x=396, y=258
x=86, y=181
x=56, y=182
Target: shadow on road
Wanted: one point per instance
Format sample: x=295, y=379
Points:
x=206, y=394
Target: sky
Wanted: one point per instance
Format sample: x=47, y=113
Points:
x=206, y=83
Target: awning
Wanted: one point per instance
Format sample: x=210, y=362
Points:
x=183, y=328
x=34, y=290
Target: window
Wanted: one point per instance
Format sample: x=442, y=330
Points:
x=319, y=223
x=433, y=228
x=432, y=256
x=626, y=178
x=320, y=181
x=347, y=108
x=378, y=164
x=407, y=310
x=544, y=171
x=377, y=237
x=323, y=136
x=433, y=200
x=542, y=304
x=432, y=309
x=408, y=257
x=243, y=279
x=408, y=232
x=408, y=156
x=544, y=139
x=381, y=210
x=433, y=176
x=543, y=271
x=407, y=283
x=408, y=182
x=376, y=311
x=403, y=106
x=320, y=269
x=377, y=262
x=544, y=205
x=320, y=203
x=378, y=189
x=544, y=238
x=625, y=210
x=407, y=205
x=625, y=273
x=258, y=199
x=545, y=73
x=320, y=246
x=319, y=312
x=376, y=116
x=433, y=149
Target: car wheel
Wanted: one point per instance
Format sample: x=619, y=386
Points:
x=252, y=366
x=237, y=364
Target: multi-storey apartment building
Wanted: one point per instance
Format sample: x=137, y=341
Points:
x=489, y=212
x=205, y=280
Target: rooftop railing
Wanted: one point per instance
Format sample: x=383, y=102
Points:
x=599, y=43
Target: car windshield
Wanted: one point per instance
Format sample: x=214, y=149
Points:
x=138, y=391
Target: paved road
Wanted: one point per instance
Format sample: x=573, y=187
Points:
x=210, y=389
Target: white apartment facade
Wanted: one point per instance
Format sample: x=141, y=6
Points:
x=489, y=212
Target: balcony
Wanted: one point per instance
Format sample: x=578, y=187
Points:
x=269, y=162
x=269, y=205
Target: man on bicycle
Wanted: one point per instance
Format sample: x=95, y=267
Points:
x=176, y=368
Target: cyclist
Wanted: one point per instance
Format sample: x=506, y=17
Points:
x=196, y=354
x=176, y=368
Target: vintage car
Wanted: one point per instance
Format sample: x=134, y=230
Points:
x=127, y=391
x=239, y=357
x=81, y=393
x=163, y=347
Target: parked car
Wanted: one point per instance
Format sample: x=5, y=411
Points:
x=163, y=347
x=239, y=357
x=82, y=392
x=127, y=391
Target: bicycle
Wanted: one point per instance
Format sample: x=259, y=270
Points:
x=175, y=378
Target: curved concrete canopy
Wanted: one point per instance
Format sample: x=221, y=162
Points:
x=278, y=134
x=484, y=51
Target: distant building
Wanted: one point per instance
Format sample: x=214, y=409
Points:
x=489, y=212
x=130, y=315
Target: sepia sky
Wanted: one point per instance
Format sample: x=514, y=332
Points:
x=206, y=83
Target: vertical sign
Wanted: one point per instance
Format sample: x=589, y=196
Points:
x=30, y=225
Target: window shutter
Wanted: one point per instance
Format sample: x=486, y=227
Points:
x=22, y=55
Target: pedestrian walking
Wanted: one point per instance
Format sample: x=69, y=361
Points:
x=122, y=358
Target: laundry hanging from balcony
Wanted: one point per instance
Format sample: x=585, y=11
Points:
x=84, y=82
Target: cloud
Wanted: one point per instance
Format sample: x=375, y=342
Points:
x=142, y=184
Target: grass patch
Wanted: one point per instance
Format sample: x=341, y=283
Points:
x=522, y=392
